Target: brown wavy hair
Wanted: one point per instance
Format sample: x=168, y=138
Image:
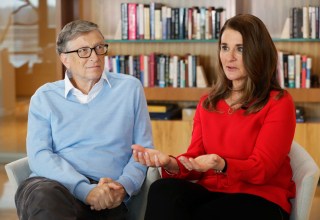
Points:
x=260, y=62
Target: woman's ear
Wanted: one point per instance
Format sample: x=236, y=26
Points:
x=65, y=60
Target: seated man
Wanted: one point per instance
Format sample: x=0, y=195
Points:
x=80, y=131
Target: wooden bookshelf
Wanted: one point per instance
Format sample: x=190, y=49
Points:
x=174, y=136
x=305, y=95
x=193, y=94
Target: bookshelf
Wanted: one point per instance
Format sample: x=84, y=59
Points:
x=173, y=136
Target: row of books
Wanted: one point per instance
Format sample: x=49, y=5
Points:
x=305, y=22
x=294, y=70
x=160, y=70
x=157, y=21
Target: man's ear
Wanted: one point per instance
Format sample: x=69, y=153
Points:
x=65, y=60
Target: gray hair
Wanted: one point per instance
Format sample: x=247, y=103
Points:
x=73, y=30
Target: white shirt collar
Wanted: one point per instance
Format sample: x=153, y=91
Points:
x=83, y=98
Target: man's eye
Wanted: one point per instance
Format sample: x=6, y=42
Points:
x=84, y=50
x=99, y=47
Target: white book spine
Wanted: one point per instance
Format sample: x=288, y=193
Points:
x=146, y=71
x=190, y=63
x=297, y=70
x=308, y=78
x=131, y=65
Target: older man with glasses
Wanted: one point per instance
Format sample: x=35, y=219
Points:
x=80, y=131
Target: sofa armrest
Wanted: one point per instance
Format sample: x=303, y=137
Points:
x=137, y=205
x=18, y=171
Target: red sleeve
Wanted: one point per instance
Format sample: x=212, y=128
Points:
x=195, y=148
x=272, y=144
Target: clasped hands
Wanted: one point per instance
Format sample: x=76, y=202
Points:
x=107, y=194
x=155, y=158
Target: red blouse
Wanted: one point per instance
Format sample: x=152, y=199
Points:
x=255, y=146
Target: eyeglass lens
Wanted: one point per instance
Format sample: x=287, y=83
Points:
x=86, y=51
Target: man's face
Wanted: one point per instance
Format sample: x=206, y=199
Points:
x=84, y=70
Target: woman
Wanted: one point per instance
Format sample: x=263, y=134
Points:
x=242, y=134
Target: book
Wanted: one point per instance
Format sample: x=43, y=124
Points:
x=132, y=21
x=201, y=81
x=146, y=22
x=140, y=21
x=173, y=112
x=124, y=21
x=160, y=108
x=297, y=70
x=280, y=70
x=308, y=75
x=291, y=71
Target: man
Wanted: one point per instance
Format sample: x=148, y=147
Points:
x=80, y=131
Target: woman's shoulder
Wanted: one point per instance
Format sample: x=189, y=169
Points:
x=276, y=97
x=276, y=94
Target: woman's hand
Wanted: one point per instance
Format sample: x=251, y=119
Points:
x=203, y=163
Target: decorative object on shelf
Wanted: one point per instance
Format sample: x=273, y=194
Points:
x=300, y=114
x=165, y=112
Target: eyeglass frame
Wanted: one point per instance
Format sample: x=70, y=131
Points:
x=91, y=49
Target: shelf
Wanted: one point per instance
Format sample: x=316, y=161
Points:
x=305, y=95
x=194, y=94
x=174, y=94
x=204, y=40
x=295, y=40
x=163, y=41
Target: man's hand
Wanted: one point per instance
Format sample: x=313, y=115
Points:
x=107, y=194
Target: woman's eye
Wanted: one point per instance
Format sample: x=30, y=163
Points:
x=224, y=48
x=240, y=49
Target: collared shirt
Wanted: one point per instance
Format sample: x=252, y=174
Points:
x=70, y=142
x=84, y=98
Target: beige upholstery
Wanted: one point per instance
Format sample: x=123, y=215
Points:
x=305, y=175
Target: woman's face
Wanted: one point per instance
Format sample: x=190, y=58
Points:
x=231, y=49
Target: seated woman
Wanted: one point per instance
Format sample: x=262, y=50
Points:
x=242, y=134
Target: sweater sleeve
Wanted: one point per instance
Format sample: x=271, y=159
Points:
x=271, y=147
x=42, y=158
x=134, y=173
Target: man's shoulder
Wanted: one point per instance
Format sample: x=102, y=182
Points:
x=57, y=86
x=121, y=78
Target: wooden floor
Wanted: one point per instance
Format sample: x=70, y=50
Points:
x=12, y=146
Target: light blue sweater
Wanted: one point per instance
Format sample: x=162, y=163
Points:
x=68, y=141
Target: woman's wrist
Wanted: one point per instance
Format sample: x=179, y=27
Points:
x=223, y=168
x=172, y=166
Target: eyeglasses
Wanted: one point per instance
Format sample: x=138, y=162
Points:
x=85, y=52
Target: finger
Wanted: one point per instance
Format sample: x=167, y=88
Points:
x=135, y=155
x=185, y=163
x=141, y=158
x=137, y=147
x=193, y=164
x=156, y=161
x=108, y=198
x=104, y=180
x=147, y=159
x=115, y=186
